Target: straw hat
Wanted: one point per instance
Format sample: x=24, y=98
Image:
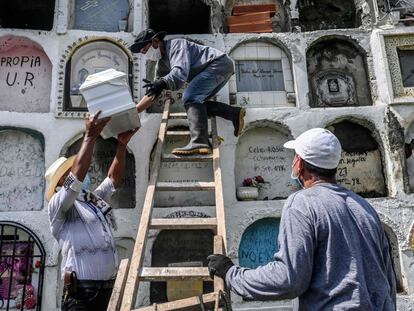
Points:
x=55, y=172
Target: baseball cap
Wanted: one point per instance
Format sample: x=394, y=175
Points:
x=318, y=147
x=145, y=37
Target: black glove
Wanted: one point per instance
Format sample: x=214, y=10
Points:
x=154, y=88
x=218, y=265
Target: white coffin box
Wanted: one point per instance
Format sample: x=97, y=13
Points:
x=109, y=92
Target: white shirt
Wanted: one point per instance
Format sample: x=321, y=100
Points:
x=84, y=234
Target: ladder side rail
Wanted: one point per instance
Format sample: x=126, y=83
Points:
x=220, y=214
x=119, y=286
x=132, y=282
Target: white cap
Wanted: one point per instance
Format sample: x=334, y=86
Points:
x=318, y=147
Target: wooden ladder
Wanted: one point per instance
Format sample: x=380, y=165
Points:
x=131, y=273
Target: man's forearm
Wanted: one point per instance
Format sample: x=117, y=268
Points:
x=83, y=158
x=117, y=169
x=145, y=103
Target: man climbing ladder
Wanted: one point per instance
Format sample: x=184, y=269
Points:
x=205, y=68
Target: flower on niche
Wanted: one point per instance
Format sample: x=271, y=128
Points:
x=257, y=181
x=38, y=264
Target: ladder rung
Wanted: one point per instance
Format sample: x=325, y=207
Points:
x=181, y=133
x=178, y=115
x=183, y=223
x=174, y=273
x=193, y=158
x=186, y=186
x=178, y=133
x=181, y=304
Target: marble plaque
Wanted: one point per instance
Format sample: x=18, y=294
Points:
x=259, y=75
x=25, y=76
x=22, y=168
x=100, y=15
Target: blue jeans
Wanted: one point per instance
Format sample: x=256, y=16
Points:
x=210, y=81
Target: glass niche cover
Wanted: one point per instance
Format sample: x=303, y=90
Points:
x=89, y=59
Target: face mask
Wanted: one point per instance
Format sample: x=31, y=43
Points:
x=86, y=182
x=297, y=180
x=153, y=55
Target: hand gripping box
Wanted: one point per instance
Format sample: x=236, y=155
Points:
x=109, y=92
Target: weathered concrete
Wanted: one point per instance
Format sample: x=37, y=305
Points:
x=389, y=120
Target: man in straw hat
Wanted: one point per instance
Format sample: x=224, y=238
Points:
x=205, y=68
x=333, y=251
x=82, y=221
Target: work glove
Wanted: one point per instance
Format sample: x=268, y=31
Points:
x=154, y=88
x=218, y=265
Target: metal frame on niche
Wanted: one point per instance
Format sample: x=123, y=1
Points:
x=64, y=73
x=391, y=44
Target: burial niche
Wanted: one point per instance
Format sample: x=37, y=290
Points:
x=263, y=76
x=102, y=15
x=260, y=152
x=360, y=168
x=38, y=14
x=327, y=14
x=25, y=76
x=179, y=17
x=337, y=74
x=180, y=248
x=22, y=262
x=181, y=172
x=103, y=154
x=259, y=243
x=22, y=170
x=88, y=59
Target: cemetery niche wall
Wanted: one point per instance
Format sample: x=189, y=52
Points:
x=337, y=74
x=181, y=17
x=182, y=171
x=260, y=152
x=19, y=14
x=263, y=76
x=25, y=76
x=327, y=14
x=180, y=248
x=88, y=58
x=103, y=154
x=22, y=264
x=360, y=168
x=103, y=15
x=259, y=243
x=22, y=170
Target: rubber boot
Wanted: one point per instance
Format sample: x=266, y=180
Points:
x=233, y=114
x=198, y=125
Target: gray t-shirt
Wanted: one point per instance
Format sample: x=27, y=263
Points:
x=333, y=255
x=183, y=61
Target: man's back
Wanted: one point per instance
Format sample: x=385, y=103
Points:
x=352, y=267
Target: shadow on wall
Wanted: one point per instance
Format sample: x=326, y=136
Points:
x=327, y=14
x=175, y=248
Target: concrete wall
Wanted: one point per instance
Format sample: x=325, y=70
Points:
x=388, y=120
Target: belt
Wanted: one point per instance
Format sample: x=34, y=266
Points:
x=96, y=284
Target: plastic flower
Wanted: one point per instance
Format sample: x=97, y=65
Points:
x=256, y=181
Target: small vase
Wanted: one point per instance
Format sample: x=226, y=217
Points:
x=247, y=193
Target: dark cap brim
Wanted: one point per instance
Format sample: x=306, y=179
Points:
x=137, y=46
